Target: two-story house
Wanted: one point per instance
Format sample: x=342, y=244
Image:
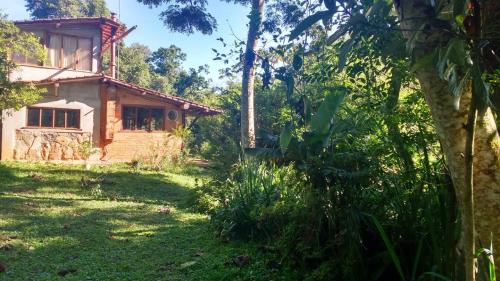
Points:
x=124, y=121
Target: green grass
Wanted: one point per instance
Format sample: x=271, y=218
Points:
x=50, y=225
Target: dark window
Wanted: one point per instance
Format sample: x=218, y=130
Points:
x=47, y=118
x=72, y=119
x=34, y=117
x=53, y=118
x=129, y=118
x=143, y=118
x=157, y=116
x=60, y=118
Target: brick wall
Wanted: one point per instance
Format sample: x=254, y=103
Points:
x=128, y=146
x=123, y=145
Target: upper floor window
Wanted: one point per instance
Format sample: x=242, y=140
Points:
x=67, y=51
x=26, y=59
x=53, y=118
x=64, y=51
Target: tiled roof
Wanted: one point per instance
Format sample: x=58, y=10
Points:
x=194, y=107
x=77, y=20
x=109, y=27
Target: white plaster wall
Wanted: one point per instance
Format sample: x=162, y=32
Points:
x=37, y=73
x=82, y=96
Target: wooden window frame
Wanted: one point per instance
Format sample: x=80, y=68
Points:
x=76, y=57
x=149, y=108
x=54, y=109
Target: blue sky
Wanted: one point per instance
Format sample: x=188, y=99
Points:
x=151, y=31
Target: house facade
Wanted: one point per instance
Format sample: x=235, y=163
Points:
x=83, y=105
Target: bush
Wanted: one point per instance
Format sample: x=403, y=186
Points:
x=323, y=226
x=207, y=196
x=254, y=192
x=160, y=158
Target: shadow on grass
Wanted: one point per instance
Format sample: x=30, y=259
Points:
x=109, y=243
x=49, y=182
x=52, y=226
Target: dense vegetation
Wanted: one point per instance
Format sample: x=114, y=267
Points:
x=376, y=151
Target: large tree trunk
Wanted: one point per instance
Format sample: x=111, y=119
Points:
x=248, y=80
x=451, y=128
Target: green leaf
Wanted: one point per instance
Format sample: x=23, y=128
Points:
x=343, y=52
x=435, y=275
x=458, y=88
x=459, y=8
x=388, y=245
x=417, y=258
x=410, y=44
x=322, y=120
x=285, y=137
x=480, y=89
x=308, y=22
x=341, y=30
x=456, y=52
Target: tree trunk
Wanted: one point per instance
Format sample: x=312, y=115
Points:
x=451, y=128
x=248, y=80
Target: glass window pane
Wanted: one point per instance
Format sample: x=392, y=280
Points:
x=33, y=117
x=85, y=54
x=72, y=119
x=143, y=119
x=157, y=116
x=69, y=46
x=60, y=118
x=129, y=115
x=47, y=117
x=55, y=50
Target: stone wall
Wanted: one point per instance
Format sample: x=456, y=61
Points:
x=49, y=144
x=83, y=96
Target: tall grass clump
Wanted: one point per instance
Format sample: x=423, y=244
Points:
x=248, y=210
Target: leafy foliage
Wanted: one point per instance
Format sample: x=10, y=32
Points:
x=15, y=95
x=66, y=8
x=186, y=16
x=133, y=66
x=167, y=61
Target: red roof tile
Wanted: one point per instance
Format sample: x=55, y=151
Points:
x=194, y=107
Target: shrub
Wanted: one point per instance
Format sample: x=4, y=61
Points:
x=161, y=157
x=320, y=218
x=248, y=209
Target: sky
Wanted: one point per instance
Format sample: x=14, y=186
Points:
x=152, y=33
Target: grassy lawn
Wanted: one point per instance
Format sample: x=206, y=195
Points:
x=135, y=226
